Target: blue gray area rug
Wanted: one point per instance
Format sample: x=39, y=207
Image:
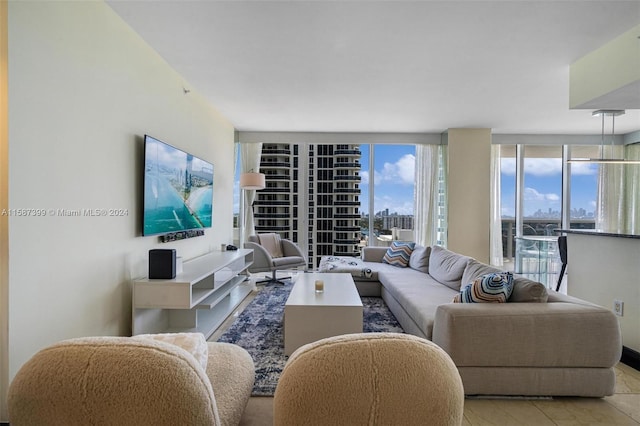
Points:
x=259, y=330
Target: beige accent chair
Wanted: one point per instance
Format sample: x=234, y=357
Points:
x=272, y=254
x=131, y=381
x=369, y=379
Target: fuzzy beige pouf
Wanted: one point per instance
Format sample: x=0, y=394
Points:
x=369, y=379
x=130, y=381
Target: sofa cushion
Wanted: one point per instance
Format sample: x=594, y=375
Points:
x=493, y=287
x=417, y=293
x=419, y=259
x=476, y=269
x=398, y=254
x=525, y=290
x=447, y=267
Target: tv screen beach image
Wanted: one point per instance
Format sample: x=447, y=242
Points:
x=178, y=190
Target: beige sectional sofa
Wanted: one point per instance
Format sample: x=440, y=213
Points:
x=539, y=343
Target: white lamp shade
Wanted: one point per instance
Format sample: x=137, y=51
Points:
x=252, y=181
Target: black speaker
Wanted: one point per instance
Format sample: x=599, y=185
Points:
x=162, y=263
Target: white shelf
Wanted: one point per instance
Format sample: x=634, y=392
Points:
x=198, y=299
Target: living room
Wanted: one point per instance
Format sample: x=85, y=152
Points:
x=81, y=87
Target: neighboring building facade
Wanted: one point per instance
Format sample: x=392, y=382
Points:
x=331, y=197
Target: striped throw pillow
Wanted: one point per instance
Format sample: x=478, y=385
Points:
x=494, y=287
x=398, y=254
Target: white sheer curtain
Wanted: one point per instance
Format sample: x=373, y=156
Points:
x=632, y=189
x=610, y=210
x=250, y=154
x=495, y=228
x=426, y=195
x=443, y=196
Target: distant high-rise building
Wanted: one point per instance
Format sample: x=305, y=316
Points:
x=321, y=180
x=397, y=221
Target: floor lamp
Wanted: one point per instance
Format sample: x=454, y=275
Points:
x=248, y=181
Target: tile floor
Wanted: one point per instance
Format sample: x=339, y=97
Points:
x=622, y=408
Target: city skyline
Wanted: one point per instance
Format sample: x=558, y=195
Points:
x=543, y=187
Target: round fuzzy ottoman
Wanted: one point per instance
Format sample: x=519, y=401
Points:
x=369, y=379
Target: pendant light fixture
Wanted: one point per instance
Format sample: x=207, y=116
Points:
x=252, y=180
x=613, y=113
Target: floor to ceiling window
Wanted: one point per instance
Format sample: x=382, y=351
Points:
x=393, y=181
x=536, y=247
x=542, y=194
x=584, y=188
x=365, y=233
x=541, y=203
x=337, y=184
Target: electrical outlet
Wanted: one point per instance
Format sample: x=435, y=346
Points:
x=618, y=307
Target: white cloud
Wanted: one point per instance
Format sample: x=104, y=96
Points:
x=545, y=167
x=533, y=166
x=364, y=178
x=531, y=194
x=508, y=166
x=583, y=169
x=402, y=171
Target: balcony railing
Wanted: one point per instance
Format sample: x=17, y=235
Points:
x=267, y=150
x=274, y=164
x=347, y=152
x=347, y=165
x=354, y=178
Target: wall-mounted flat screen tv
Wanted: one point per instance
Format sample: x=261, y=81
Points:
x=178, y=189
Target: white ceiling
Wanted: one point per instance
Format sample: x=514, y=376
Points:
x=386, y=66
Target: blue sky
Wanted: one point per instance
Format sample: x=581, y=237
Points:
x=394, y=177
x=543, y=185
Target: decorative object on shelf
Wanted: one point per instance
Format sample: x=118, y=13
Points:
x=319, y=286
x=252, y=180
x=162, y=263
x=613, y=113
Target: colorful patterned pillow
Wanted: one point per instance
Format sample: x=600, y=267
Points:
x=398, y=254
x=494, y=287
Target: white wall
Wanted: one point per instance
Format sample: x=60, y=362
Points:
x=4, y=203
x=83, y=90
x=602, y=269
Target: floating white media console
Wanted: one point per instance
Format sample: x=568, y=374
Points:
x=198, y=299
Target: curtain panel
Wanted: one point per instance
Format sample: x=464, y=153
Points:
x=610, y=213
x=495, y=227
x=426, y=194
x=632, y=189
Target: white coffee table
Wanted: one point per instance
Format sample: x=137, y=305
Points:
x=311, y=316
